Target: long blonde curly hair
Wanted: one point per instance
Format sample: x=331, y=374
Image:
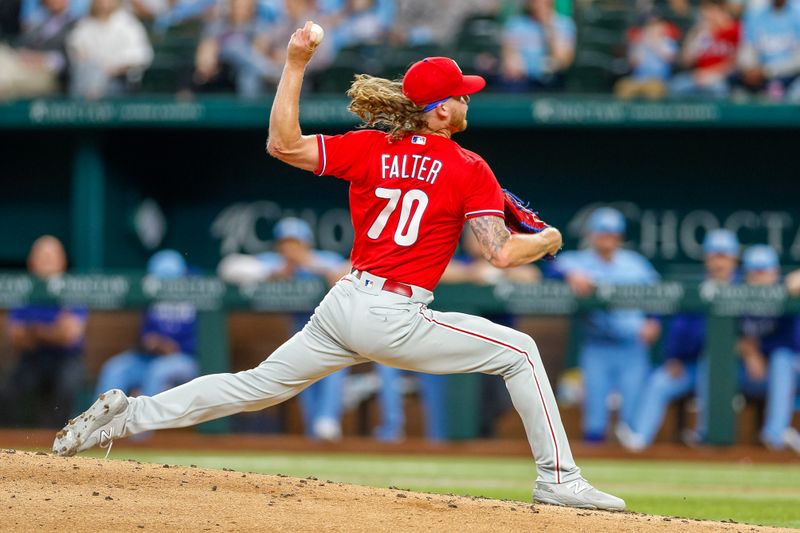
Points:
x=380, y=103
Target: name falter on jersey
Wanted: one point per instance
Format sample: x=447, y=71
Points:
x=410, y=166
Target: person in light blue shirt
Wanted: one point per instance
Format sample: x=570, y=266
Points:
x=180, y=12
x=769, y=57
x=537, y=47
x=653, y=51
x=165, y=355
x=770, y=355
x=767, y=347
x=296, y=259
x=276, y=11
x=236, y=45
x=652, y=48
x=614, y=352
x=684, y=344
x=363, y=22
x=34, y=12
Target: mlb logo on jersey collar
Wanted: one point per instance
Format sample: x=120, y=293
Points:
x=418, y=139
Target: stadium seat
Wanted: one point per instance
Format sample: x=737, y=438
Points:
x=479, y=34
x=173, y=59
x=599, y=58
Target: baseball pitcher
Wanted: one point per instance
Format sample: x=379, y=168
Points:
x=411, y=190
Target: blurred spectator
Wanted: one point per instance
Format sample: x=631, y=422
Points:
x=33, y=10
x=38, y=66
x=241, y=49
x=166, y=352
x=148, y=10
x=708, y=53
x=108, y=51
x=363, y=22
x=538, y=47
x=294, y=15
x=740, y=7
x=681, y=8
x=471, y=267
x=48, y=339
x=176, y=12
x=420, y=22
x=297, y=259
x=769, y=57
x=36, y=12
x=793, y=284
x=424, y=23
x=770, y=355
x=242, y=270
x=651, y=51
x=760, y=337
x=614, y=352
x=432, y=390
x=683, y=347
x=269, y=11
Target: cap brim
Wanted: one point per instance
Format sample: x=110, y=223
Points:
x=760, y=268
x=470, y=85
x=721, y=251
x=607, y=231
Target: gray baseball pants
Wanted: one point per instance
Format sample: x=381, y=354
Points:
x=357, y=322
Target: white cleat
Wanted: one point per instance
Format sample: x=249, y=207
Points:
x=100, y=424
x=791, y=438
x=327, y=429
x=630, y=440
x=577, y=493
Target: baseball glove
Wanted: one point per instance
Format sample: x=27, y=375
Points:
x=520, y=218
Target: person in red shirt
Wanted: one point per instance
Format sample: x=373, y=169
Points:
x=411, y=190
x=709, y=53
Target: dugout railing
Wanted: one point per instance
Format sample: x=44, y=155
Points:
x=214, y=299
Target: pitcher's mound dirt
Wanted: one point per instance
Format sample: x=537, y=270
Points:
x=43, y=492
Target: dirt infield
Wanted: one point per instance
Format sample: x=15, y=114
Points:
x=43, y=492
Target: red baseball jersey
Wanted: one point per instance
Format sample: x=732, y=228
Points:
x=719, y=47
x=408, y=199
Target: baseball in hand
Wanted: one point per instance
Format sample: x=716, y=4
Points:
x=317, y=33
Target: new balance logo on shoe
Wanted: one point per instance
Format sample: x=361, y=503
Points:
x=579, y=487
x=106, y=437
x=107, y=440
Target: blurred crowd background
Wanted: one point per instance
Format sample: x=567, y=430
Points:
x=632, y=48
x=625, y=369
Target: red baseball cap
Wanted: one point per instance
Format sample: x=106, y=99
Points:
x=438, y=78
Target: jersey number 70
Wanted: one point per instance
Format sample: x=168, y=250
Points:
x=408, y=225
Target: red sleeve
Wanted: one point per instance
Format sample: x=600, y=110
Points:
x=734, y=34
x=485, y=198
x=345, y=156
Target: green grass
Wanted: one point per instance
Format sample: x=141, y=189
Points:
x=765, y=494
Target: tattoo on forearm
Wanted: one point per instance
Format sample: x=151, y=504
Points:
x=491, y=233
